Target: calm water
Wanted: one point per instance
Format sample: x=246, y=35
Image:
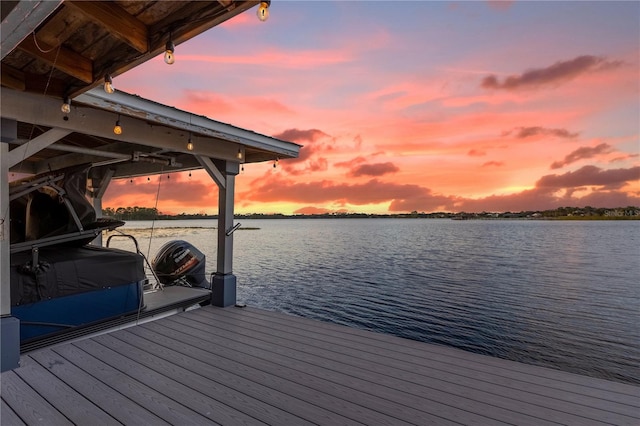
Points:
x=560, y=294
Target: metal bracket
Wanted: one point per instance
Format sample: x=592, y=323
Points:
x=233, y=229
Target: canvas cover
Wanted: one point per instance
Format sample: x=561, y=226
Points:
x=63, y=271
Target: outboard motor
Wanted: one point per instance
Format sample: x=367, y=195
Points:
x=180, y=263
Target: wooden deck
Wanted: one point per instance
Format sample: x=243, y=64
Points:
x=238, y=366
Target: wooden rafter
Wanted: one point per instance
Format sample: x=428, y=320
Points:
x=114, y=18
x=65, y=60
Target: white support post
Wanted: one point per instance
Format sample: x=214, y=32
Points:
x=9, y=326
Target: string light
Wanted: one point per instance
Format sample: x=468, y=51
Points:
x=239, y=155
x=108, y=84
x=242, y=169
x=66, y=105
x=189, y=144
x=263, y=10
x=275, y=163
x=169, y=49
x=117, y=129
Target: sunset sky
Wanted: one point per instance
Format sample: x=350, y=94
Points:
x=403, y=106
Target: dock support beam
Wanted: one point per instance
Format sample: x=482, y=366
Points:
x=9, y=326
x=100, y=185
x=223, y=282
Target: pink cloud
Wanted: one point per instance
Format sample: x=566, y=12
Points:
x=493, y=163
x=526, y=132
x=377, y=169
x=476, y=153
x=500, y=4
x=559, y=72
x=590, y=175
x=582, y=153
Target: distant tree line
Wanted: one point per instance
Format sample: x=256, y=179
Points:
x=629, y=212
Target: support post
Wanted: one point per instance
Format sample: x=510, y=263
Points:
x=224, y=282
x=100, y=185
x=9, y=326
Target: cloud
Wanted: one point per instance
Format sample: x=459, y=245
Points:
x=400, y=196
x=527, y=132
x=476, y=153
x=493, y=163
x=312, y=210
x=377, y=169
x=582, y=153
x=351, y=163
x=310, y=157
x=557, y=73
x=590, y=176
x=175, y=190
x=300, y=136
x=500, y=4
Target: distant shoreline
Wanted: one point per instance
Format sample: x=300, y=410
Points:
x=561, y=213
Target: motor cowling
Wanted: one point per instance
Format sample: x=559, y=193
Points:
x=180, y=263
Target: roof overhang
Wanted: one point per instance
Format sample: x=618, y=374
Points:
x=64, y=48
x=154, y=137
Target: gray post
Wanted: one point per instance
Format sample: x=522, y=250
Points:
x=224, y=282
x=100, y=185
x=9, y=326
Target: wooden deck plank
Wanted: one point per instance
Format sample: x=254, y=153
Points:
x=262, y=386
x=9, y=417
x=446, y=405
x=249, y=396
x=32, y=408
x=146, y=396
x=70, y=403
x=567, y=406
x=617, y=395
x=105, y=397
x=545, y=376
x=183, y=390
x=249, y=366
x=205, y=348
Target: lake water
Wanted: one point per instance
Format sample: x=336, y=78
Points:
x=562, y=294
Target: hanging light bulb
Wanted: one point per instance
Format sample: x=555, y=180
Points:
x=239, y=155
x=108, y=84
x=117, y=129
x=263, y=10
x=275, y=163
x=66, y=105
x=189, y=144
x=169, y=48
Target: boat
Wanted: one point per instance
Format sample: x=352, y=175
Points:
x=60, y=282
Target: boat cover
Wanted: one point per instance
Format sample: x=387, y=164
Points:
x=63, y=271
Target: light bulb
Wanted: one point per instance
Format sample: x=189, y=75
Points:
x=117, y=129
x=239, y=154
x=190, y=145
x=108, y=84
x=169, y=57
x=66, y=105
x=263, y=10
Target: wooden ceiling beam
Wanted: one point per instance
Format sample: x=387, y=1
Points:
x=121, y=24
x=12, y=78
x=65, y=60
x=22, y=20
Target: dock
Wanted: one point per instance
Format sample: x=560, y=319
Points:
x=246, y=366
